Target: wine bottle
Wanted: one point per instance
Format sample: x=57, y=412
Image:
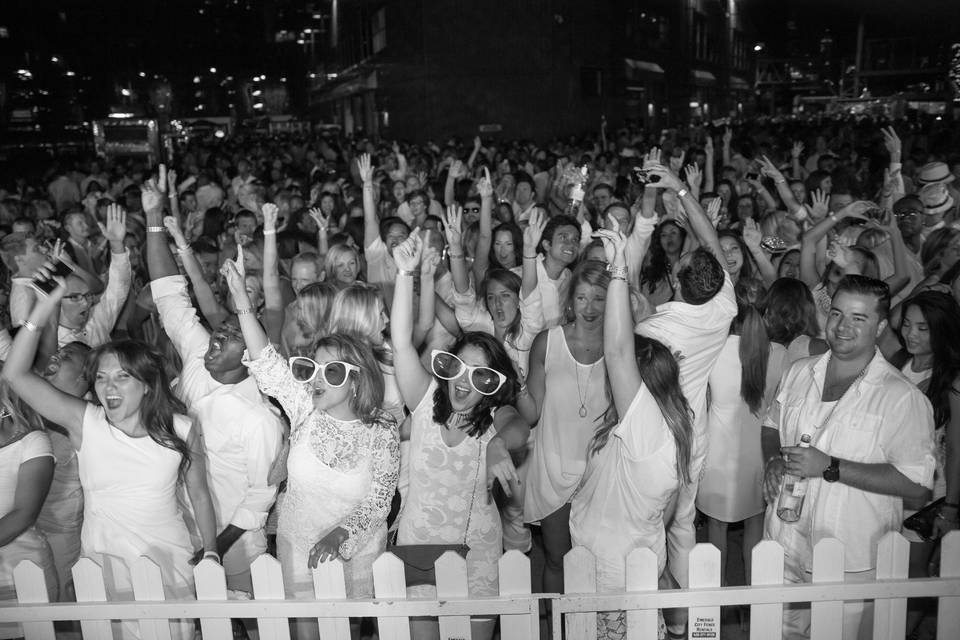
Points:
x=793, y=489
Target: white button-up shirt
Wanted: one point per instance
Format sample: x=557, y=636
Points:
x=883, y=418
x=241, y=431
x=103, y=315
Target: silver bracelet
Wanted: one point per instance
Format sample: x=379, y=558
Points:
x=29, y=326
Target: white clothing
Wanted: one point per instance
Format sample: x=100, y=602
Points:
x=562, y=435
x=31, y=544
x=103, y=315
x=442, y=482
x=698, y=333
x=626, y=488
x=339, y=474
x=883, y=418
x=22, y=299
x=553, y=294
x=61, y=517
x=730, y=489
x=381, y=269
x=472, y=315
x=241, y=431
x=131, y=510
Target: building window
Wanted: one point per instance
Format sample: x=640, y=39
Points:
x=378, y=28
x=591, y=82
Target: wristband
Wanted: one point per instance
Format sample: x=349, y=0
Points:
x=156, y=229
x=682, y=193
x=212, y=555
x=455, y=256
x=184, y=249
x=833, y=217
x=533, y=257
x=406, y=272
x=617, y=273
x=780, y=181
x=269, y=232
x=244, y=312
x=29, y=326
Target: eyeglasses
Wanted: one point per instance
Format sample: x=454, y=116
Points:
x=78, y=297
x=484, y=380
x=333, y=374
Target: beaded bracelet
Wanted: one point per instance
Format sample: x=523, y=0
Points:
x=406, y=272
x=243, y=312
x=29, y=326
x=156, y=229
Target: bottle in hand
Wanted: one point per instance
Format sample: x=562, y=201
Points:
x=793, y=489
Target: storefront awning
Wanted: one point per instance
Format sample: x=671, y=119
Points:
x=703, y=78
x=739, y=84
x=641, y=65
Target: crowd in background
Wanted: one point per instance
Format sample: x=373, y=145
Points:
x=325, y=347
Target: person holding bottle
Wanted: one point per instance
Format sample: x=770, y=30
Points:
x=871, y=449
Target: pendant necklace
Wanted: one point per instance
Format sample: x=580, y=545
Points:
x=583, y=399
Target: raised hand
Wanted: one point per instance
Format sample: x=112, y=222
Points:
x=270, y=213
x=173, y=228
x=668, y=179
x=172, y=182
x=457, y=170
x=614, y=242
x=477, y=143
x=892, y=142
x=151, y=197
x=820, y=201
x=235, y=274
x=365, y=168
x=162, y=178
x=534, y=231
x=769, y=169
x=652, y=158
x=693, y=175
x=797, y=150
x=727, y=136
x=322, y=221
x=422, y=178
x=752, y=236
x=453, y=225
x=407, y=254
x=485, y=185
x=676, y=162
x=708, y=145
x=115, y=230
x=429, y=260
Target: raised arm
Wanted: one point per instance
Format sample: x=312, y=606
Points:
x=371, y=223
x=783, y=189
x=455, y=172
x=622, y=370
x=699, y=222
x=752, y=237
x=708, y=166
x=531, y=239
x=412, y=378
x=428, y=296
x=453, y=229
x=253, y=334
x=51, y=403
x=481, y=259
x=477, y=146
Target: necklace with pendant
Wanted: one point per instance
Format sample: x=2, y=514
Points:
x=583, y=399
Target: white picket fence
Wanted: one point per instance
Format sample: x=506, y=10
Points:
x=516, y=607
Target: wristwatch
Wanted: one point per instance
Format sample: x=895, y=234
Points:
x=832, y=473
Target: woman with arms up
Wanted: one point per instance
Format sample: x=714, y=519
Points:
x=344, y=454
x=463, y=428
x=640, y=456
x=134, y=445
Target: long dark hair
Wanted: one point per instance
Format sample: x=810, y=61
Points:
x=661, y=375
x=942, y=314
x=754, y=342
x=159, y=406
x=789, y=311
x=748, y=269
x=481, y=416
x=516, y=235
x=511, y=281
x=659, y=266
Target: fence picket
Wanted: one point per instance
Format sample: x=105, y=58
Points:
x=268, y=585
x=211, y=585
x=88, y=587
x=514, y=570
x=31, y=587
x=704, y=622
x=893, y=561
x=642, y=571
x=580, y=576
x=826, y=618
x=948, y=609
x=390, y=582
x=329, y=584
x=766, y=620
x=148, y=585
x=452, y=583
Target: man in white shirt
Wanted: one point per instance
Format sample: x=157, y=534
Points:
x=559, y=248
x=524, y=198
x=82, y=320
x=695, y=327
x=871, y=448
x=241, y=433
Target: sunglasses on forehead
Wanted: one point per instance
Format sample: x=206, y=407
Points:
x=484, y=380
x=333, y=374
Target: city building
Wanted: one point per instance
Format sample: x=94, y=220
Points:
x=533, y=68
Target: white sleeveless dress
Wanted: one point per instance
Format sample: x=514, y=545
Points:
x=131, y=510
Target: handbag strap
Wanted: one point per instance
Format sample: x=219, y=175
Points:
x=473, y=496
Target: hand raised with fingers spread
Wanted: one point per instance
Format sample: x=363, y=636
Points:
x=457, y=170
x=820, y=202
x=752, y=236
x=115, y=230
x=452, y=220
x=892, y=142
x=652, y=158
x=322, y=221
x=173, y=228
x=407, y=254
x=365, y=168
x=797, y=150
x=534, y=231
x=614, y=242
x=693, y=175
x=713, y=210
x=668, y=179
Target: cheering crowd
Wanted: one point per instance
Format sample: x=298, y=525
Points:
x=325, y=348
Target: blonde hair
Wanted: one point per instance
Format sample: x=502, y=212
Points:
x=356, y=310
x=336, y=252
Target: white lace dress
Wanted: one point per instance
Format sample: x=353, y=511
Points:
x=443, y=483
x=339, y=474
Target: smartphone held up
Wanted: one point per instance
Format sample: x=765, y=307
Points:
x=44, y=284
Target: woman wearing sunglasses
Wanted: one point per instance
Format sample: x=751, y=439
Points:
x=640, y=455
x=463, y=428
x=344, y=455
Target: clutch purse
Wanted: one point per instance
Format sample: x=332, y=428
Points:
x=922, y=521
